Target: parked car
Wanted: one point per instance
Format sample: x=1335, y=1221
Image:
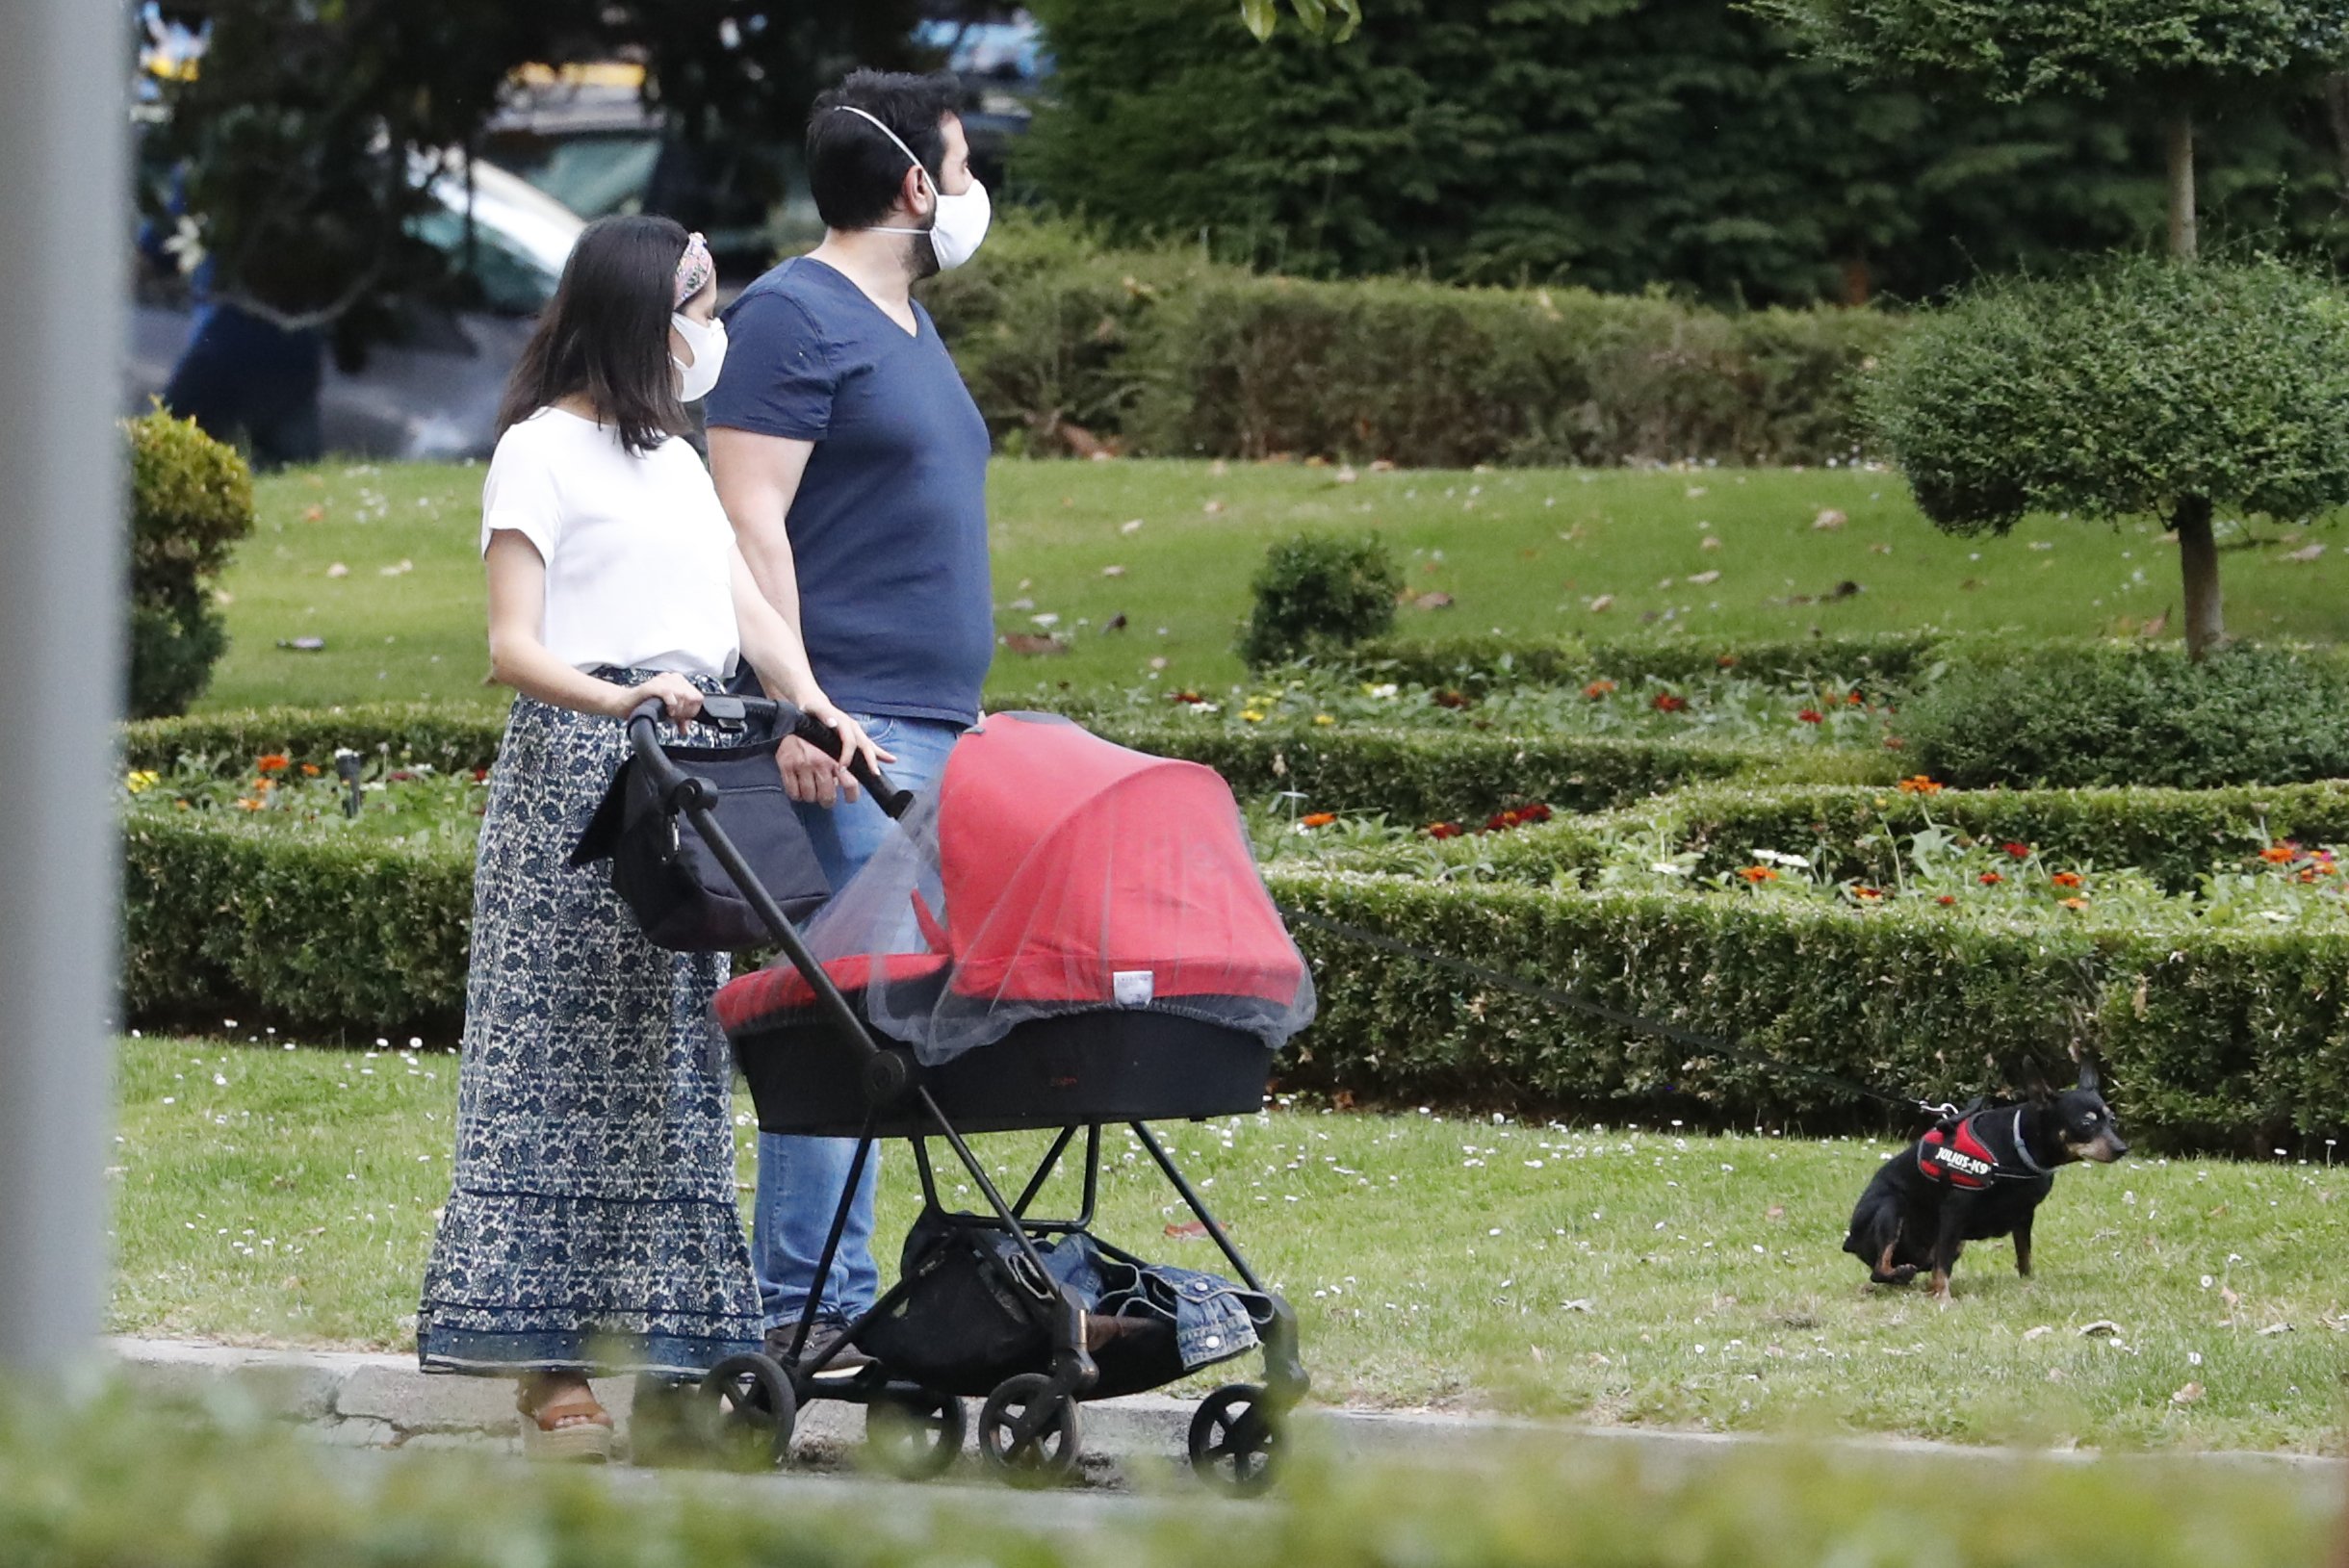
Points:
x=433, y=393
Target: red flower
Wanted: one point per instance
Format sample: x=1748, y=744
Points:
x=1598, y=689
x=2021, y=852
x=1990, y=879
x=1865, y=894
x=1726, y=660
x=481, y=775
x=1186, y=697
x=1855, y=699
x=1443, y=829
x=2065, y=879
x=1666, y=703
x=1501, y=822
x=1535, y=812
x=1892, y=743
x=1317, y=819
x=400, y=776
x=1449, y=699
x=1947, y=898
x=1811, y=715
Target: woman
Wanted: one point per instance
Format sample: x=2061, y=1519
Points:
x=593, y=1226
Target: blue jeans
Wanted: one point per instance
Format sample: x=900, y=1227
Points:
x=800, y=1179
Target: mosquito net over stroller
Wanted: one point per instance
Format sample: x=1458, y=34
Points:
x=1052, y=872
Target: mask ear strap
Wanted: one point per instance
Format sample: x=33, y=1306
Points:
x=875, y=123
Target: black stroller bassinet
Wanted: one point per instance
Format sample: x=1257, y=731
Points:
x=1064, y=936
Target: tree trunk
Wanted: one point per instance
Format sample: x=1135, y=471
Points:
x=2198, y=559
x=2182, y=183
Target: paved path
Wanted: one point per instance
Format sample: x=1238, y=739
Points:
x=382, y=1401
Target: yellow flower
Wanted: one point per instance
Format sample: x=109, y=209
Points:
x=1253, y=716
x=1323, y=718
x=140, y=781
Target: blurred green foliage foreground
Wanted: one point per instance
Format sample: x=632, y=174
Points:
x=121, y=1482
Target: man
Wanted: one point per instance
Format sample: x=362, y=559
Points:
x=853, y=463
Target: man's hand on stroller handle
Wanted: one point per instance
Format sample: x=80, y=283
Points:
x=826, y=753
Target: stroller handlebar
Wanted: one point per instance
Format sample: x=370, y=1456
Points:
x=736, y=712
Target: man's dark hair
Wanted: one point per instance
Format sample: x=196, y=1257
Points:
x=853, y=170
x=606, y=334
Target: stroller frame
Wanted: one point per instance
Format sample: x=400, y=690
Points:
x=1028, y=1425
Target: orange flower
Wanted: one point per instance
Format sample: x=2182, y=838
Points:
x=1755, y=875
x=2072, y=903
x=1443, y=829
x=1317, y=819
x=262, y=786
x=1598, y=689
x=1666, y=703
x=1866, y=893
x=1726, y=661
x=2280, y=852
x=2065, y=879
x=1990, y=879
x=245, y=805
x=309, y=770
x=1920, y=784
x=273, y=762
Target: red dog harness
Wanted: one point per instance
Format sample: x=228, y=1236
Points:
x=1961, y=1156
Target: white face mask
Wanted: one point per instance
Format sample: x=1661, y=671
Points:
x=707, y=342
x=957, y=224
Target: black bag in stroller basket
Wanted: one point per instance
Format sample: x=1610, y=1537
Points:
x=962, y=1328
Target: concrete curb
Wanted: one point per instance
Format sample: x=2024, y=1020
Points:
x=384, y=1401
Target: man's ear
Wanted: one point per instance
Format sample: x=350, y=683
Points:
x=911, y=186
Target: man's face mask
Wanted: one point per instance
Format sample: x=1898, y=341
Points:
x=957, y=224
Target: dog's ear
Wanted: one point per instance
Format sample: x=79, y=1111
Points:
x=2089, y=1080
x=2034, y=1083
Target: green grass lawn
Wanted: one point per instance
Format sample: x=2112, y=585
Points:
x=1620, y=1276
x=1521, y=550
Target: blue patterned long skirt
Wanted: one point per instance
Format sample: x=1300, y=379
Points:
x=593, y=1225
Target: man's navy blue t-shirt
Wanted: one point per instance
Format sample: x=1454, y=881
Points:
x=888, y=529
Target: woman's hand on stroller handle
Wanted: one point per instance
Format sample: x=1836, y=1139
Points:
x=673, y=694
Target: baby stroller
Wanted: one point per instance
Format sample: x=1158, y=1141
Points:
x=1067, y=935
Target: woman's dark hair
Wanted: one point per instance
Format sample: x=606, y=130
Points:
x=606, y=334
x=853, y=170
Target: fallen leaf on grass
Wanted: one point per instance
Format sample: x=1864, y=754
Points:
x=1186, y=1230
x=2040, y=1332
x=1602, y=603
x=2275, y=1328
x=1580, y=1303
x=1704, y=579
x=2187, y=1394
x=1433, y=601
x=1133, y=526
x=1113, y=570
x=400, y=569
x=338, y=570
x=2306, y=552
x=1879, y=548
x=1022, y=642
x=1709, y=542
x=1828, y=521
x=1775, y=1210
x=2102, y=1325
x=1212, y=507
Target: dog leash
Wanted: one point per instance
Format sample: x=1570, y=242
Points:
x=1568, y=1002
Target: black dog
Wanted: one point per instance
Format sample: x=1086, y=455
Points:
x=1983, y=1175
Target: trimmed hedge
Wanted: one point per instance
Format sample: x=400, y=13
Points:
x=1172, y=355
x=328, y=934
x=2109, y=713
x=2222, y=1039
x=1479, y=663
x=1411, y=775
x=2174, y=836
x=2211, y=1039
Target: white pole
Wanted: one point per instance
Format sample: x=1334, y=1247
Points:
x=65, y=237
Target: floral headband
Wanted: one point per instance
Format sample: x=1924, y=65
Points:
x=694, y=268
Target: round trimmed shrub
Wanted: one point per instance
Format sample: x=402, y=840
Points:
x=191, y=500
x=2071, y=716
x=1319, y=591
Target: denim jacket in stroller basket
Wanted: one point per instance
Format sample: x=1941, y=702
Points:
x=961, y=1329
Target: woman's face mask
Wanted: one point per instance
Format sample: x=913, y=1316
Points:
x=707, y=341
x=957, y=223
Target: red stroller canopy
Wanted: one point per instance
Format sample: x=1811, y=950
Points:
x=1068, y=862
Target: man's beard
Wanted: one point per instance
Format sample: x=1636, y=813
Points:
x=921, y=260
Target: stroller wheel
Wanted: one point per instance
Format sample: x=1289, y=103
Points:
x=916, y=1436
x=748, y=1403
x=1028, y=1432
x=1235, y=1440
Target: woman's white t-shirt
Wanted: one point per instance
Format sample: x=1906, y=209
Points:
x=639, y=554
